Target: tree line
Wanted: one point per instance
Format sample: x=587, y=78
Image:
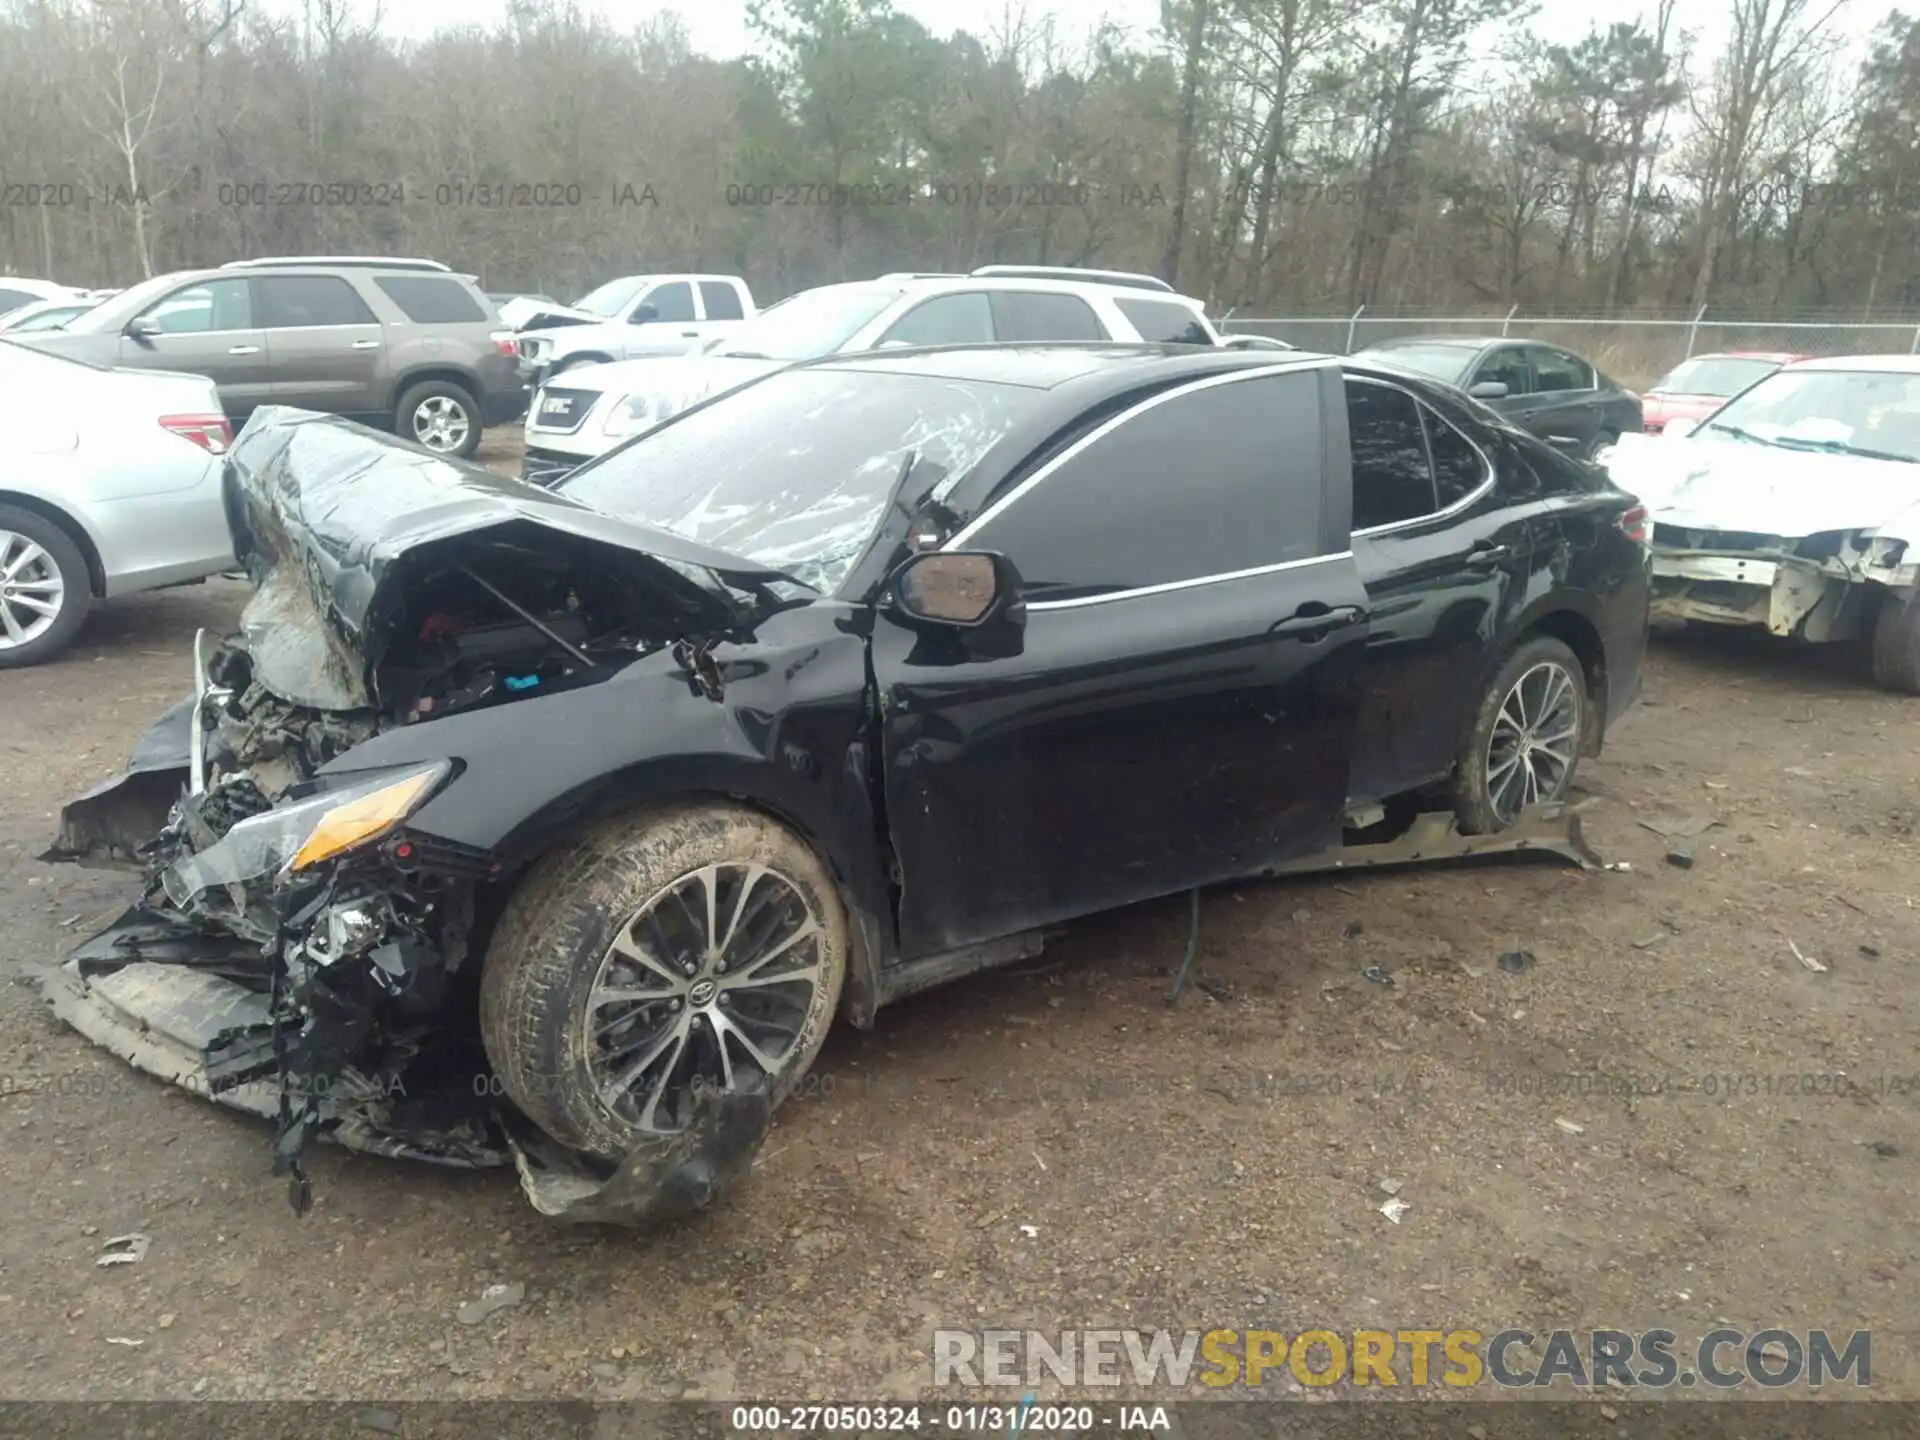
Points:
x=1273, y=156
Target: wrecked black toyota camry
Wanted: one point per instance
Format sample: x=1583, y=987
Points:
x=554, y=828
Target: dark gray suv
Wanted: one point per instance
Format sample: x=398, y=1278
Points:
x=406, y=345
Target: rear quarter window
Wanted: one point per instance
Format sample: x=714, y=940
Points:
x=1164, y=322
x=432, y=299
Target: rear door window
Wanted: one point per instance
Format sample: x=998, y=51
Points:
x=1190, y=486
x=1557, y=370
x=1029, y=315
x=287, y=301
x=432, y=299
x=1164, y=322
x=721, y=300
x=1392, y=472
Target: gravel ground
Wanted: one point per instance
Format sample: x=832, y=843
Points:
x=1056, y=1147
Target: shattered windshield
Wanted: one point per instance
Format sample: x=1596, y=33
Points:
x=796, y=472
x=1871, y=413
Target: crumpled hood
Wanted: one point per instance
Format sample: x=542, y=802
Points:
x=1765, y=489
x=523, y=313
x=329, y=518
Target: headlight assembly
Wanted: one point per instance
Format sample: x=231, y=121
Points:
x=307, y=832
x=630, y=415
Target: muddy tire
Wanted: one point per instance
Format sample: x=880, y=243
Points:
x=604, y=1006
x=40, y=567
x=1896, y=643
x=1531, y=720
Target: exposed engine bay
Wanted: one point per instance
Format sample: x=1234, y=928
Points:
x=296, y=950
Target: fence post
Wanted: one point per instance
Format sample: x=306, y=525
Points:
x=1914, y=349
x=1353, y=324
x=1508, y=321
x=1693, y=331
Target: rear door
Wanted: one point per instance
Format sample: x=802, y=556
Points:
x=1445, y=558
x=1568, y=408
x=323, y=343
x=1178, y=705
x=209, y=328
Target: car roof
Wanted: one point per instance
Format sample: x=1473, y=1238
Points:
x=1113, y=367
x=1883, y=364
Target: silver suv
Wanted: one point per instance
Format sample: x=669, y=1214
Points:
x=400, y=344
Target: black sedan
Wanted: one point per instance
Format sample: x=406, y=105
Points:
x=1542, y=388
x=562, y=824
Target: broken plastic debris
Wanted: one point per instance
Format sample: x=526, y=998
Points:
x=1389, y=1187
x=1570, y=1127
x=125, y=1340
x=1030, y=1231
x=492, y=1301
x=1378, y=974
x=1394, y=1209
x=1619, y=865
x=1514, y=961
x=1806, y=960
x=124, y=1249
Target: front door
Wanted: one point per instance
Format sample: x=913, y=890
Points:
x=1177, y=706
x=323, y=342
x=208, y=329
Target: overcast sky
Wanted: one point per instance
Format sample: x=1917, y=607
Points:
x=719, y=27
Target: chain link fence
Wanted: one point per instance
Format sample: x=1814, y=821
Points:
x=1634, y=350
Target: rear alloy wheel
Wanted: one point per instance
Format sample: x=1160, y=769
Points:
x=1896, y=643
x=700, y=948
x=1525, y=742
x=440, y=416
x=44, y=591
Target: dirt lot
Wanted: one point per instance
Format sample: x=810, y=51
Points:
x=1056, y=1147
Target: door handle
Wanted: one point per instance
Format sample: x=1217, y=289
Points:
x=366, y=344
x=1312, y=625
x=1485, y=557
x=243, y=350
x=689, y=334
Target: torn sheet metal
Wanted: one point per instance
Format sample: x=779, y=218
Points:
x=328, y=516
x=1552, y=829
x=105, y=827
x=670, y=1176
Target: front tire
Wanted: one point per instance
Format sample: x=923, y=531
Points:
x=44, y=588
x=1896, y=643
x=1524, y=744
x=440, y=416
x=665, y=952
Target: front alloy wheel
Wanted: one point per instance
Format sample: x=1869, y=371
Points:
x=44, y=588
x=666, y=953
x=440, y=423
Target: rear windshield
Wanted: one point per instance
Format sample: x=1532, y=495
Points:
x=431, y=299
x=1715, y=375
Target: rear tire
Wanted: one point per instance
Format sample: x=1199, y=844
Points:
x=585, y=974
x=440, y=416
x=40, y=566
x=1896, y=643
x=1524, y=744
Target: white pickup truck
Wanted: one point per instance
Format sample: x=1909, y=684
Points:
x=626, y=319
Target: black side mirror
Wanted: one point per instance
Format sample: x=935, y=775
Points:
x=1489, y=390
x=644, y=314
x=963, y=589
x=144, y=328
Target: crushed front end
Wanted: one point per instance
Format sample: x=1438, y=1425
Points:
x=299, y=951
x=1819, y=587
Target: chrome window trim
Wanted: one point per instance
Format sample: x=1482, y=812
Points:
x=1490, y=475
x=1082, y=601
x=1108, y=426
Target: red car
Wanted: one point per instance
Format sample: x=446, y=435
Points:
x=1698, y=386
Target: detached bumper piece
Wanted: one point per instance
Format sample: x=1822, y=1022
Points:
x=1551, y=829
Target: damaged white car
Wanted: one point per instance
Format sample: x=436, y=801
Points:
x=1795, y=506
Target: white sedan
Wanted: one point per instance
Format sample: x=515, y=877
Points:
x=1795, y=507
x=109, y=485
